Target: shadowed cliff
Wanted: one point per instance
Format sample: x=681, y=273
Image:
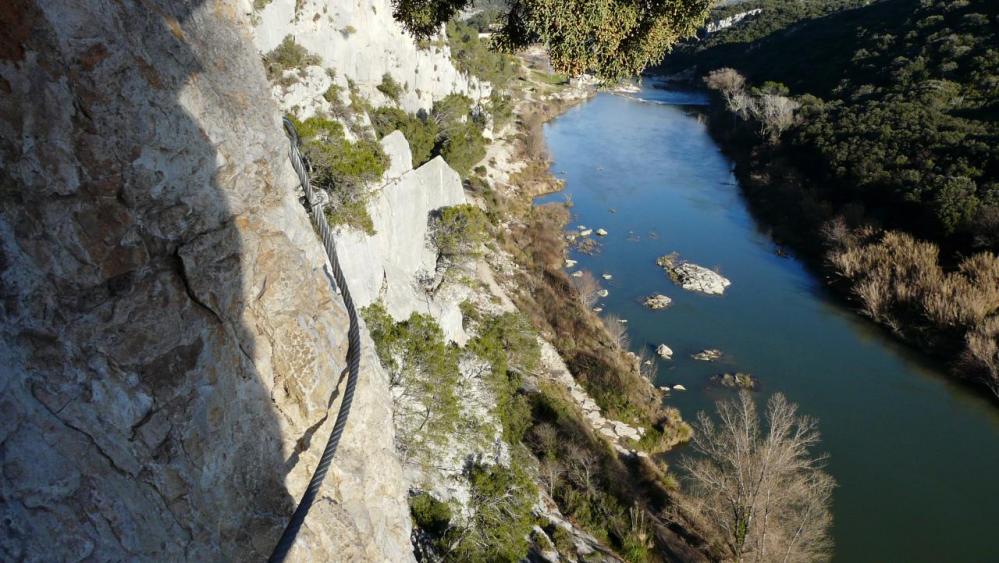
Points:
x=170, y=341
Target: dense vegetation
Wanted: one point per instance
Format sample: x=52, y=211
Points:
x=611, y=38
x=453, y=130
x=894, y=130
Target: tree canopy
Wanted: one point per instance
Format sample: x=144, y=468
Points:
x=610, y=38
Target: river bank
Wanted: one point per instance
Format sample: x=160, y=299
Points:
x=528, y=260
x=910, y=449
x=833, y=234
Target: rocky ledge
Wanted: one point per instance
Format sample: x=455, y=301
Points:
x=692, y=277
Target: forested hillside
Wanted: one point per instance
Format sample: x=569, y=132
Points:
x=886, y=114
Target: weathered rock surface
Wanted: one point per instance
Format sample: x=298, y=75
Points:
x=169, y=340
x=693, y=277
x=391, y=263
x=657, y=302
x=362, y=41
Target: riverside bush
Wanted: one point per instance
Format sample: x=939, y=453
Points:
x=900, y=282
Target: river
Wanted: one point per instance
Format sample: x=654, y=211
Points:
x=915, y=456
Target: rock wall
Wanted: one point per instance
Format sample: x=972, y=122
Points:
x=169, y=341
x=362, y=41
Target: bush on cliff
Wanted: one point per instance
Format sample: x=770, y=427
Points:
x=341, y=168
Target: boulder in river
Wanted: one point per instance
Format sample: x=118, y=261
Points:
x=577, y=274
x=601, y=232
x=707, y=355
x=607, y=276
x=664, y=351
x=679, y=387
x=737, y=380
x=692, y=277
x=585, y=232
x=657, y=302
x=570, y=263
x=603, y=293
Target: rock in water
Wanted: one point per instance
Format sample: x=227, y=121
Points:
x=679, y=387
x=607, y=276
x=657, y=302
x=585, y=232
x=601, y=232
x=707, y=355
x=577, y=274
x=664, y=351
x=736, y=381
x=693, y=277
x=603, y=293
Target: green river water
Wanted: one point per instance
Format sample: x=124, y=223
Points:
x=915, y=456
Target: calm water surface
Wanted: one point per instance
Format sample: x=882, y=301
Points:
x=916, y=457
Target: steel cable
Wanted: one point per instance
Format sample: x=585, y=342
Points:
x=315, y=209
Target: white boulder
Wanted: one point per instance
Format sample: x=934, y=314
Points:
x=664, y=352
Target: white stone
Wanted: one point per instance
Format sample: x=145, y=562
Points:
x=585, y=232
x=607, y=276
x=679, y=387
x=664, y=352
x=603, y=293
x=577, y=274
x=692, y=277
x=601, y=232
x=570, y=263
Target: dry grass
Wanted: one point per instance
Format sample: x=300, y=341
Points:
x=900, y=282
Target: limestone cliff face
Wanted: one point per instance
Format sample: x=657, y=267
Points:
x=395, y=264
x=169, y=341
x=361, y=40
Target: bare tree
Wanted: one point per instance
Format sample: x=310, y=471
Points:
x=728, y=81
x=588, y=288
x=759, y=491
x=617, y=330
x=647, y=366
x=775, y=113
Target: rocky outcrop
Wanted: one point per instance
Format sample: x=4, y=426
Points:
x=664, y=352
x=362, y=41
x=169, y=338
x=657, y=302
x=693, y=277
x=397, y=264
x=725, y=23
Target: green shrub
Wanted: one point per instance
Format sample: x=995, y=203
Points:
x=421, y=133
x=430, y=514
x=425, y=367
x=503, y=500
x=463, y=147
x=390, y=87
x=458, y=232
x=287, y=56
x=342, y=169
